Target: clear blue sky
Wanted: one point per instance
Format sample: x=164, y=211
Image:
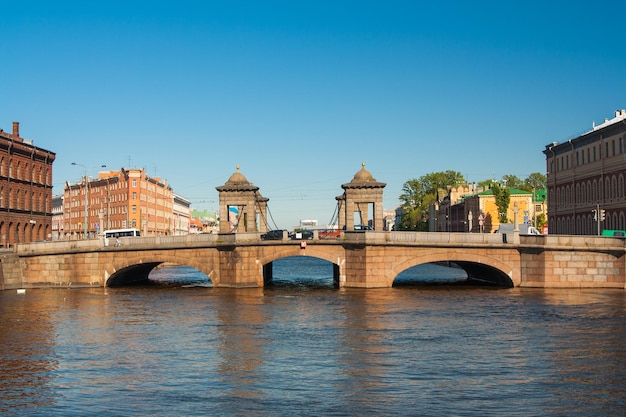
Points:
x=299, y=94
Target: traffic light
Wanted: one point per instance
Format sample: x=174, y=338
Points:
x=595, y=214
x=602, y=215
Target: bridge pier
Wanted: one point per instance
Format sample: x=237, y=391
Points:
x=238, y=267
x=365, y=267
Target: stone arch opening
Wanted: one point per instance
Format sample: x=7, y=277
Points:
x=453, y=273
x=132, y=275
x=176, y=275
x=301, y=271
x=165, y=274
x=481, y=274
x=431, y=273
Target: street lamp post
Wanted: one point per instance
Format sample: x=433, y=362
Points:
x=86, y=215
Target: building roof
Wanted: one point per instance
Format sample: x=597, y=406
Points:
x=514, y=191
x=363, y=179
x=237, y=182
x=557, y=148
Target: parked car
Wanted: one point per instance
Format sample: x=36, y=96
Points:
x=329, y=234
x=301, y=234
x=360, y=227
x=273, y=235
x=614, y=233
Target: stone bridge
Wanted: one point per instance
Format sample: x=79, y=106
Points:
x=369, y=259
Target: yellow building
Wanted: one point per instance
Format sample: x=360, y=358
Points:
x=465, y=209
x=484, y=204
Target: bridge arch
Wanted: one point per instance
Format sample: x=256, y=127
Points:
x=136, y=267
x=487, y=269
x=314, y=251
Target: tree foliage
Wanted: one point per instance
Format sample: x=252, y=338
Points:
x=502, y=195
x=535, y=181
x=418, y=194
x=512, y=181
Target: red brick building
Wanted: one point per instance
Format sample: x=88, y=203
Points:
x=25, y=189
x=127, y=198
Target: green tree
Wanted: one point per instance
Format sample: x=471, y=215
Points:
x=512, y=181
x=535, y=181
x=503, y=198
x=541, y=220
x=418, y=194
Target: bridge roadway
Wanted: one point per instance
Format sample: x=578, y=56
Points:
x=367, y=259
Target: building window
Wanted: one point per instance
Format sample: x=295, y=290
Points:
x=134, y=195
x=134, y=183
x=134, y=209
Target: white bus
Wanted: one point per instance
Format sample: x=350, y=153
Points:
x=113, y=233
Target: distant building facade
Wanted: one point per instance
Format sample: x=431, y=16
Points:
x=203, y=221
x=25, y=189
x=182, y=215
x=57, y=216
x=468, y=208
x=127, y=198
x=586, y=174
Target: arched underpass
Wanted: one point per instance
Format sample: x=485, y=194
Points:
x=301, y=271
x=132, y=275
x=453, y=273
x=481, y=274
x=159, y=273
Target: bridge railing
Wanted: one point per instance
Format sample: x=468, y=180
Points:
x=366, y=237
x=200, y=239
x=444, y=237
x=168, y=241
x=58, y=246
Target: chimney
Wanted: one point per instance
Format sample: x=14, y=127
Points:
x=16, y=129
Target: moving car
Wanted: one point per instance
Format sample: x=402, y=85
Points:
x=301, y=234
x=360, y=227
x=273, y=235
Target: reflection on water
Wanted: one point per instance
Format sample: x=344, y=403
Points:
x=302, y=347
x=29, y=367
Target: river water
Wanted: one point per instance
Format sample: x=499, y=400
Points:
x=303, y=348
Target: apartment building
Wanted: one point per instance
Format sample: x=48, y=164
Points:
x=182, y=215
x=25, y=189
x=586, y=177
x=128, y=198
x=57, y=216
